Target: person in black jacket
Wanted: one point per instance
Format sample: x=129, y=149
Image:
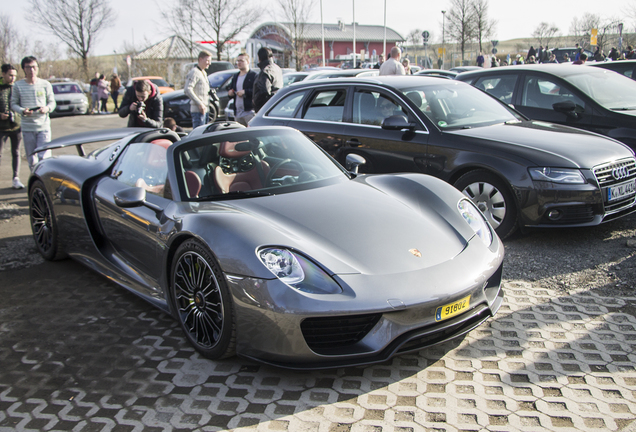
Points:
x=10, y=122
x=268, y=81
x=241, y=90
x=143, y=105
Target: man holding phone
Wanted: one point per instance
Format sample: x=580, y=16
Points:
x=33, y=99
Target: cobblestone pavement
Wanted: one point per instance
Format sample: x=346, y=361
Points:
x=79, y=353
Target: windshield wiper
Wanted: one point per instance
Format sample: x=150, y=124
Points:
x=623, y=109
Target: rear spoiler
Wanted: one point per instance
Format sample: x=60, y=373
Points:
x=79, y=139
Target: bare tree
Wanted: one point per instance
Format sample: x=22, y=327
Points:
x=75, y=22
x=182, y=21
x=297, y=14
x=223, y=20
x=12, y=43
x=582, y=27
x=484, y=27
x=461, y=23
x=545, y=33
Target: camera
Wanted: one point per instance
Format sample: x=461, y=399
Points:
x=140, y=107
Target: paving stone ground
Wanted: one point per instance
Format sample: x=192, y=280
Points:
x=79, y=353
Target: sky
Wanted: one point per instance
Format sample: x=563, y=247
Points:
x=139, y=20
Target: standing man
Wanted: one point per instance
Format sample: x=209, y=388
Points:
x=197, y=88
x=10, y=122
x=33, y=99
x=143, y=105
x=393, y=66
x=241, y=90
x=94, y=94
x=380, y=61
x=268, y=81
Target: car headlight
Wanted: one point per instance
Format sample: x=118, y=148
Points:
x=476, y=220
x=557, y=175
x=297, y=271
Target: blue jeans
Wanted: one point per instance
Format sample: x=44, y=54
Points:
x=32, y=141
x=199, y=119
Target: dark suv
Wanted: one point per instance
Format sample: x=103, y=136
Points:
x=518, y=172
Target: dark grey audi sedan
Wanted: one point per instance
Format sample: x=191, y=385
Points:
x=518, y=172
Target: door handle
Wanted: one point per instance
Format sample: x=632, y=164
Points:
x=354, y=143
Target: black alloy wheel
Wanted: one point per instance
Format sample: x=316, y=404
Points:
x=201, y=299
x=43, y=223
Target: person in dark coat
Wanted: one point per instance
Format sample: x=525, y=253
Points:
x=143, y=105
x=531, y=52
x=268, y=81
x=241, y=89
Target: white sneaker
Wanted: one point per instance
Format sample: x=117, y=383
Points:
x=17, y=184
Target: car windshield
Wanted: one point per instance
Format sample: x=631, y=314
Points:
x=218, y=78
x=610, y=89
x=455, y=105
x=66, y=88
x=253, y=163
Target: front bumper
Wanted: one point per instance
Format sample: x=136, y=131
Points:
x=395, y=312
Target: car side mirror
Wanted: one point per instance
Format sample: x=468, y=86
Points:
x=135, y=197
x=353, y=162
x=397, y=122
x=568, y=108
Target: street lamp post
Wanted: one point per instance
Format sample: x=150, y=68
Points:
x=443, y=36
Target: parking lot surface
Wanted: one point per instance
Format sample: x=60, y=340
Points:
x=79, y=353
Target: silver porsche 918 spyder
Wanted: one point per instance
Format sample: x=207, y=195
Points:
x=261, y=245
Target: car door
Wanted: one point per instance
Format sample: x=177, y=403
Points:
x=320, y=116
x=385, y=150
x=537, y=95
x=133, y=233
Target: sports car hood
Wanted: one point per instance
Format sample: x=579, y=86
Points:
x=352, y=227
x=545, y=143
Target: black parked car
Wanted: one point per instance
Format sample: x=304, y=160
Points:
x=623, y=67
x=589, y=98
x=177, y=105
x=518, y=172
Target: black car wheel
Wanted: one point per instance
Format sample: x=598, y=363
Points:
x=493, y=197
x=43, y=223
x=201, y=300
x=212, y=114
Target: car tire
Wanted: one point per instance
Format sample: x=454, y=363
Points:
x=202, y=302
x=44, y=224
x=212, y=114
x=493, y=197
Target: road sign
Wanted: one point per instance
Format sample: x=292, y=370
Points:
x=494, y=51
x=494, y=43
x=593, y=35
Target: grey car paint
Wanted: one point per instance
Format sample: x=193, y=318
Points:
x=359, y=231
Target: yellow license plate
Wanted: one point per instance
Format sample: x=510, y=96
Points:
x=449, y=310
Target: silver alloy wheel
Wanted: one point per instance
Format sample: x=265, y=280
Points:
x=489, y=200
x=199, y=299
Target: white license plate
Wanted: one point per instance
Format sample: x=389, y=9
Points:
x=621, y=190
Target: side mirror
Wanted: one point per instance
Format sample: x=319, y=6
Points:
x=397, y=122
x=568, y=108
x=135, y=197
x=353, y=162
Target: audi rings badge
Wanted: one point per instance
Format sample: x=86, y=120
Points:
x=620, y=173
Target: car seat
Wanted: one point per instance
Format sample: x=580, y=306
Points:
x=239, y=170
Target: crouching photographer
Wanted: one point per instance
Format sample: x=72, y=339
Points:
x=143, y=105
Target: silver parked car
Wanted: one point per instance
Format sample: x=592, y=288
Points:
x=70, y=99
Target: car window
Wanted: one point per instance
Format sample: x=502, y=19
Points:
x=326, y=105
x=286, y=107
x=143, y=165
x=611, y=90
x=66, y=88
x=253, y=162
x=544, y=93
x=371, y=107
x=501, y=87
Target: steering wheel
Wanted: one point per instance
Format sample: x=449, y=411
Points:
x=272, y=171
